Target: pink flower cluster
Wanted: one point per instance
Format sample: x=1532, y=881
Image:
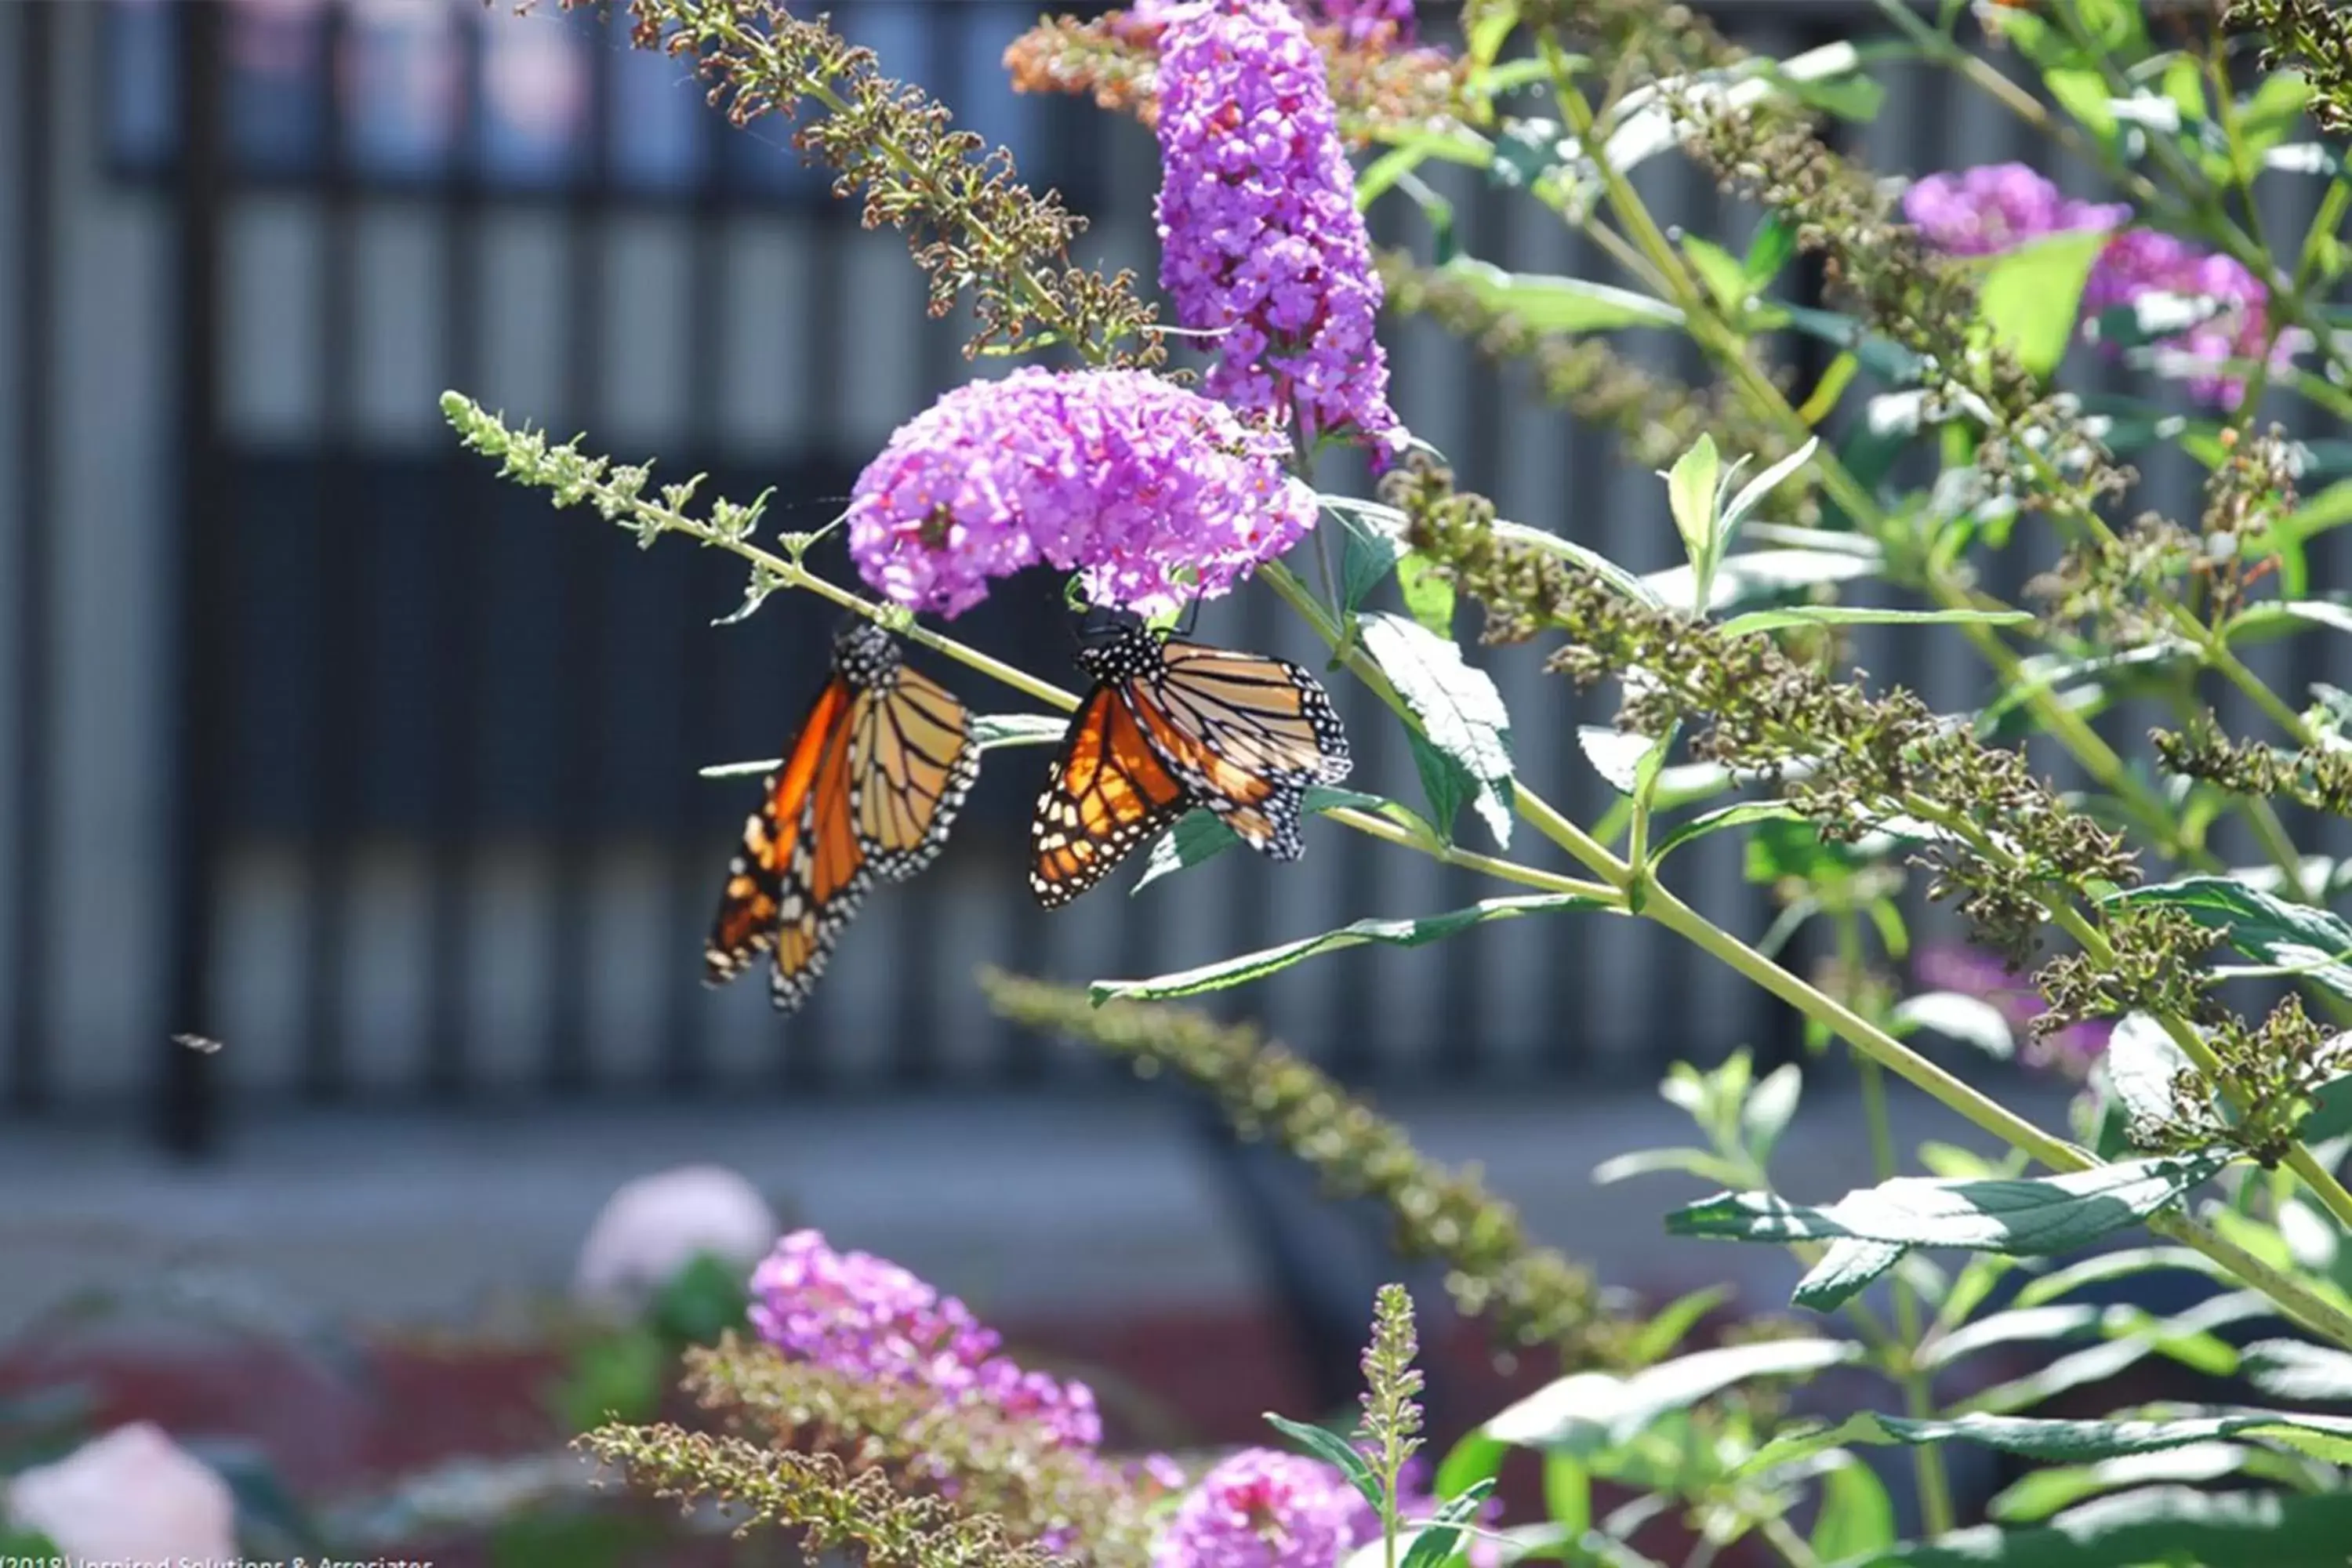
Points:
x=1264, y=1509
x=2143, y=262
x=2011, y=993
x=1260, y=239
x=1154, y=494
x=866, y=1316
x=1996, y=206
x=1366, y=21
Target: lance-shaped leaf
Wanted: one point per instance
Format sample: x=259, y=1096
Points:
x=2155, y=1524
x=1332, y=1450
x=1846, y=1269
x=2311, y=942
x=2019, y=1216
x=1856, y=616
x=1754, y=578
x=1587, y=1411
x=1202, y=834
x=2059, y=1442
x=1249, y=967
x=2294, y=1369
x=1971, y=1020
x=1460, y=711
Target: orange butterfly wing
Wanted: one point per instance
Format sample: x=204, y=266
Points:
x=827, y=876
x=1106, y=794
x=753, y=900
x=914, y=761
x=1244, y=733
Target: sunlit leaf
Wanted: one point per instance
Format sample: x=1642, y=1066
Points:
x=1230, y=972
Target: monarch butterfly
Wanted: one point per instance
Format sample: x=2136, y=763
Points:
x=1172, y=724
x=868, y=789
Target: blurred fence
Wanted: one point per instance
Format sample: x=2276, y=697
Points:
x=321, y=741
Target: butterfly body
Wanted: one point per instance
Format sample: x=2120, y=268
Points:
x=868, y=791
x=1168, y=725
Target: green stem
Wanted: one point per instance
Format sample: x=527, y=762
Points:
x=1917, y=1384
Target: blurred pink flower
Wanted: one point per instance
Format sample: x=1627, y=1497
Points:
x=2011, y=993
x=654, y=1226
x=132, y=1496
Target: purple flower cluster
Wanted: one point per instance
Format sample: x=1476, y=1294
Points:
x=1154, y=493
x=1996, y=206
x=1365, y=21
x=2011, y=993
x=1263, y=1508
x=2143, y=262
x=866, y=1316
x=1260, y=239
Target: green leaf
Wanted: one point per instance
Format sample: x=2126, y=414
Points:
x=1332, y=1450
x=2063, y=1442
x=2294, y=1369
x=2121, y=1264
x=2041, y=1493
x=1882, y=356
x=1457, y=705
x=2141, y=1063
x=1615, y=754
x=1850, y=615
x=2029, y=296
x=1720, y=270
x=1846, y=1269
x=618, y=1378
x=1737, y=814
x=1568, y=1492
x=1230, y=972
x=704, y=1299
x=2319, y=612
x=2016, y=1217
x=2330, y=1115
x=1428, y=593
x=1764, y=1115
x=1858, y=1517
x=1753, y=493
x=1585, y=556
x=1772, y=247
x=1495, y=22
x=1476, y=1457
x=1592, y=1412
x=2155, y=1525
x=1202, y=834
x=1700, y=1162
x=1757, y=577
x=2311, y=942
x=1691, y=496
x=1554, y=304
x=1673, y=1323
x=2017, y=1325
x=1446, y=783
x=1434, y=1542
x=1971, y=1020
x=1370, y=555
